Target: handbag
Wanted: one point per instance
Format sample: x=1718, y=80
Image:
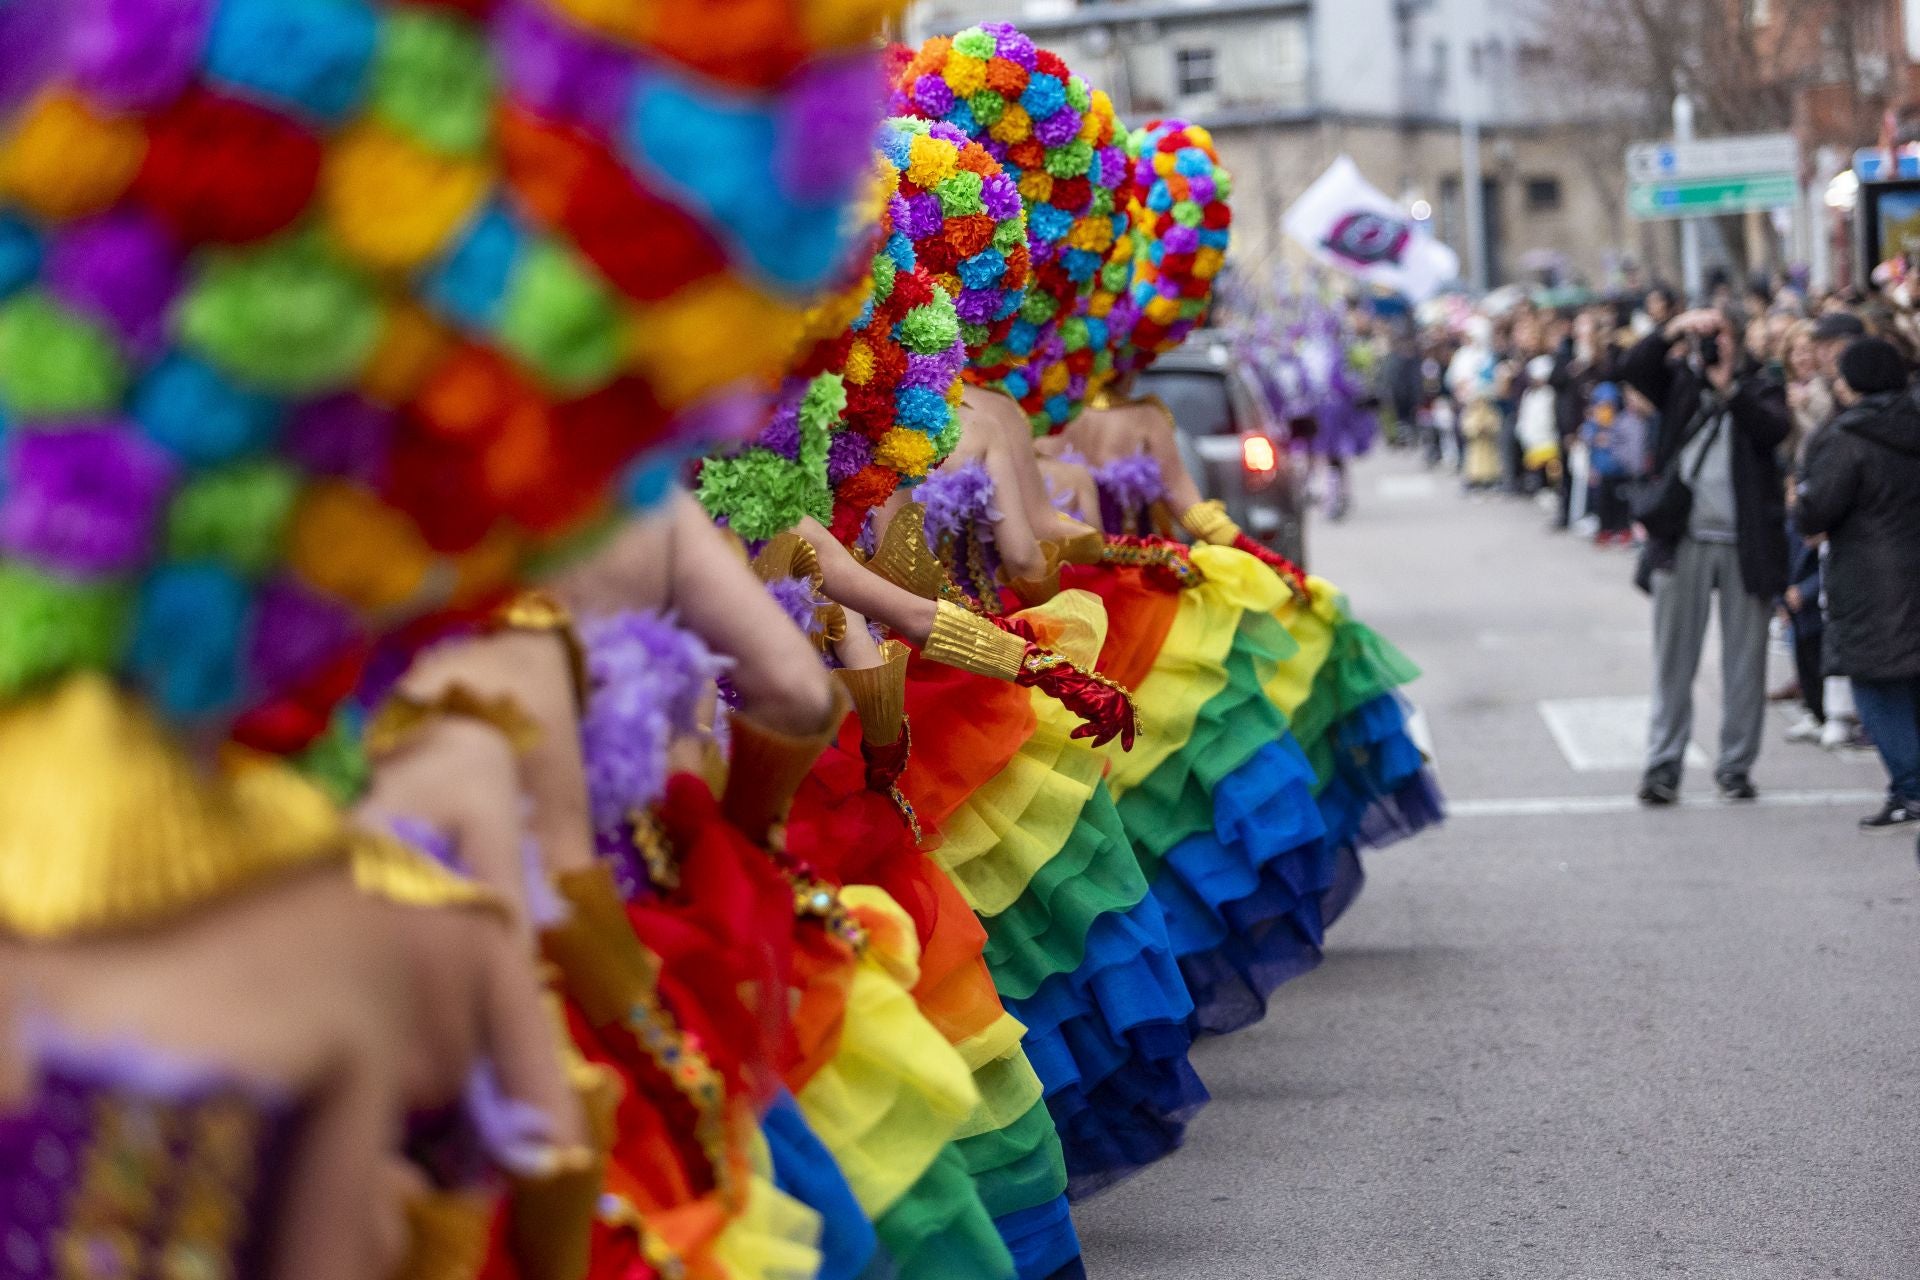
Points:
x=1664, y=504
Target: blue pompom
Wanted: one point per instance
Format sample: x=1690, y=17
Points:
x=1021, y=336
x=983, y=270
x=1044, y=96
x=1160, y=198
x=189, y=629
x=192, y=410
x=1059, y=408
x=470, y=285
x=652, y=482
x=20, y=254
x=900, y=249
x=922, y=408
x=308, y=55
x=1215, y=238
x=1193, y=162
x=1048, y=225
x=1080, y=264
x=962, y=118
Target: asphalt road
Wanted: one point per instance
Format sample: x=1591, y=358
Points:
x=1562, y=1038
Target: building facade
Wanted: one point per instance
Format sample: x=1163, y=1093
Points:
x=1289, y=85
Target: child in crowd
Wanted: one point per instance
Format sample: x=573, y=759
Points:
x=1616, y=437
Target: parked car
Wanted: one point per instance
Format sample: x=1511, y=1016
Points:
x=1234, y=448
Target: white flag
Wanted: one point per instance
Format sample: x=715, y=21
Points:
x=1347, y=223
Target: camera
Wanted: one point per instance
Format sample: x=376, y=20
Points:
x=1709, y=348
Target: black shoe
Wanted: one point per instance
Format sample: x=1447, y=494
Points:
x=1896, y=815
x=1659, y=789
x=1736, y=787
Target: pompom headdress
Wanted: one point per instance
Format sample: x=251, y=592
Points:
x=1181, y=226
x=321, y=317
x=1056, y=138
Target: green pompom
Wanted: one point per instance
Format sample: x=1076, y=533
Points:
x=975, y=43
x=987, y=107
x=1073, y=333
x=1010, y=235
x=1037, y=307
x=761, y=493
x=55, y=627
x=434, y=81
x=1222, y=182
x=1101, y=206
x=1187, y=213
x=931, y=327
x=1078, y=96
x=1071, y=161
x=54, y=363
x=974, y=335
x=885, y=270
x=960, y=194
x=288, y=317
x=562, y=321
x=236, y=515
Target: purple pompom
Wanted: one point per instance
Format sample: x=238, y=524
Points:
x=824, y=145
x=932, y=95
x=847, y=455
x=294, y=633
x=559, y=70
x=84, y=501
x=1058, y=129
x=344, y=436
x=137, y=55
x=120, y=269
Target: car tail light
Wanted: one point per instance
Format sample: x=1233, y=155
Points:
x=1258, y=456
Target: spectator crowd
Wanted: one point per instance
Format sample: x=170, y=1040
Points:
x=1759, y=452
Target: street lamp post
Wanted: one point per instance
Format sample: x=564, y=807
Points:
x=1692, y=277
x=1472, y=192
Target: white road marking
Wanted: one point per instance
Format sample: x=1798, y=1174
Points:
x=1564, y=806
x=1600, y=734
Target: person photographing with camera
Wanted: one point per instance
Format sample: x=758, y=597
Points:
x=1714, y=515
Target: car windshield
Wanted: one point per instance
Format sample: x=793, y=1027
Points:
x=1198, y=400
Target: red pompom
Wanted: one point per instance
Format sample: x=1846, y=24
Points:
x=222, y=171
x=443, y=487
x=1216, y=216
x=1071, y=194
x=1047, y=62
x=910, y=289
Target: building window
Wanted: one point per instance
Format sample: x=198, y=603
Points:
x=1543, y=195
x=1193, y=71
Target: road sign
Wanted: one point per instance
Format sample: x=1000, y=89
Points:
x=1713, y=175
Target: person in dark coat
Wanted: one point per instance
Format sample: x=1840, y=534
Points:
x=1722, y=420
x=1860, y=488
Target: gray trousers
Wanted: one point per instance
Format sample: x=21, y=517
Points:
x=1682, y=601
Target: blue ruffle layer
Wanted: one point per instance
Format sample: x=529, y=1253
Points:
x=807, y=1171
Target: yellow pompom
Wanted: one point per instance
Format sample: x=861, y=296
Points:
x=412, y=345
x=859, y=370
x=930, y=161
x=1014, y=125
x=1163, y=310
x=64, y=160
x=906, y=451
x=1093, y=234
x=1163, y=163
x=1055, y=379
x=672, y=343
x=1097, y=125
x=1100, y=304
x=393, y=204
x=1036, y=186
x=965, y=75
x=1201, y=137
x=346, y=543
x=1207, y=262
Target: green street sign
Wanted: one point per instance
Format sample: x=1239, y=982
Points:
x=1699, y=197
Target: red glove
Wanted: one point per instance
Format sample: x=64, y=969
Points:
x=1105, y=708
x=1294, y=575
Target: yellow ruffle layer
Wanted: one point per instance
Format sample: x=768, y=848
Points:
x=1191, y=670
x=896, y=1092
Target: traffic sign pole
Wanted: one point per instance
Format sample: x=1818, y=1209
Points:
x=1691, y=273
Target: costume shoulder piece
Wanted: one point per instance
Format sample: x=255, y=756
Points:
x=144, y=833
